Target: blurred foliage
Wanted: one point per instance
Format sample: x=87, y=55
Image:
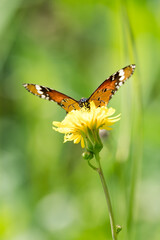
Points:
x=47, y=191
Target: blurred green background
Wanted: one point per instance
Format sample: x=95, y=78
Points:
x=47, y=191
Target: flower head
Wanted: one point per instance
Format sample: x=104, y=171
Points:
x=83, y=126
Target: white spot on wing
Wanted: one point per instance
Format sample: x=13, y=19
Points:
x=38, y=87
x=121, y=78
x=113, y=77
x=121, y=72
x=43, y=96
x=40, y=92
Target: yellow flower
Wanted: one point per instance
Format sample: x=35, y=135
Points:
x=83, y=125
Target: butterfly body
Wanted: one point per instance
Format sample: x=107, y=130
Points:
x=84, y=102
x=101, y=96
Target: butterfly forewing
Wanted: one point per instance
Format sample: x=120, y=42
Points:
x=101, y=96
x=105, y=91
x=63, y=100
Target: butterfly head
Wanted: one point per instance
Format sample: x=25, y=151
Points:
x=83, y=102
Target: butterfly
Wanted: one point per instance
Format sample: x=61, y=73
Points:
x=101, y=96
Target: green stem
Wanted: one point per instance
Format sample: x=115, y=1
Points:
x=94, y=168
x=106, y=192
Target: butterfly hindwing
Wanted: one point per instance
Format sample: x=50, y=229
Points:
x=105, y=91
x=66, y=102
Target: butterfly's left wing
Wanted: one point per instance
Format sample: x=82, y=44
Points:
x=105, y=91
x=66, y=102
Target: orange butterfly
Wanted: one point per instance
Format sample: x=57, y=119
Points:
x=100, y=96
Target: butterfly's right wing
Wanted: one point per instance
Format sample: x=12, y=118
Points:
x=66, y=102
x=102, y=95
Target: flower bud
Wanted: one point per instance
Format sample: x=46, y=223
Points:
x=118, y=228
x=87, y=155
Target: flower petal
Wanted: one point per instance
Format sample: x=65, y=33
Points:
x=78, y=123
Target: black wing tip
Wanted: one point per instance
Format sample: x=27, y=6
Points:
x=133, y=66
x=25, y=85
